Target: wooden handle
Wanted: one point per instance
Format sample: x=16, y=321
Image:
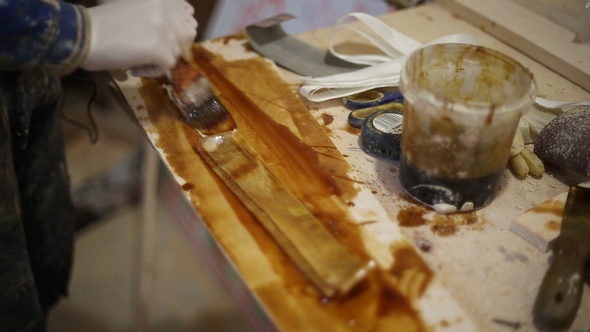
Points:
x=560, y=293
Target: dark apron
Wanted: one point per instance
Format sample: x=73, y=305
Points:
x=36, y=212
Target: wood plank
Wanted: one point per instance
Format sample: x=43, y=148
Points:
x=278, y=130
x=315, y=251
x=491, y=272
x=534, y=35
x=541, y=224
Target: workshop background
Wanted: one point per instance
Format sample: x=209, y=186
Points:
x=193, y=286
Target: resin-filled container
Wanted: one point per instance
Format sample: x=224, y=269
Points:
x=461, y=111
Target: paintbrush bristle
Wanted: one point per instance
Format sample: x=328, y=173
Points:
x=210, y=117
x=192, y=94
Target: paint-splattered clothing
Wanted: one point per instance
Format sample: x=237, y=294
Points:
x=40, y=40
x=47, y=34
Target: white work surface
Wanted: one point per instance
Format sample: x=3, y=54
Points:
x=489, y=270
x=492, y=273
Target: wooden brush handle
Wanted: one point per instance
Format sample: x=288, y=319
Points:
x=560, y=293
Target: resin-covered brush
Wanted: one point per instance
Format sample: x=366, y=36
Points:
x=191, y=92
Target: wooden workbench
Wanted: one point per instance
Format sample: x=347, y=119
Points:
x=484, y=276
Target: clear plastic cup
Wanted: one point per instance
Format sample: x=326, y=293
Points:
x=461, y=111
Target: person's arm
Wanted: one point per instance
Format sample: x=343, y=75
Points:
x=137, y=33
x=42, y=33
x=60, y=37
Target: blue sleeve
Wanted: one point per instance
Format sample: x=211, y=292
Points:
x=48, y=34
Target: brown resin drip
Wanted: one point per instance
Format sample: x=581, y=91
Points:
x=552, y=207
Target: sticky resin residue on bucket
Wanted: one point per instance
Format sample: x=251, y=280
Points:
x=462, y=107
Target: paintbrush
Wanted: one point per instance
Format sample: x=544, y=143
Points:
x=190, y=90
x=314, y=250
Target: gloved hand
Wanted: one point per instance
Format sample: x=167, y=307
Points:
x=522, y=160
x=136, y=33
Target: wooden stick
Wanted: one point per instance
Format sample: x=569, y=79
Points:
x=326, y=262
x=146, y=238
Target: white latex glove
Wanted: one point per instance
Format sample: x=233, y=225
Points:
x=136, y=33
